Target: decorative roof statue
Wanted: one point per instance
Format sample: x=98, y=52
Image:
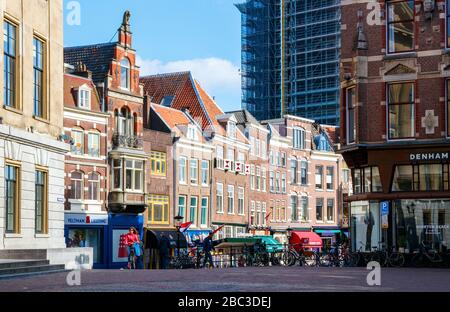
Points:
x=126, y=21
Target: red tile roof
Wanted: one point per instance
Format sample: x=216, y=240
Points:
x=188, y=94
x=72, y=82
x=172, y=117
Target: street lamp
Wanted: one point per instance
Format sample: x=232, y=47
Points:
x=178, y=220
x=289, y=234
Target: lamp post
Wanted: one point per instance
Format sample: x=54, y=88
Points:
x=289, y=234
x=178, y=220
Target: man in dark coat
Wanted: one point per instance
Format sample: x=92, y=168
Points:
x=207, y=248
x=164, y=250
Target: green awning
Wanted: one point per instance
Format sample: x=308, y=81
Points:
x=328, y=231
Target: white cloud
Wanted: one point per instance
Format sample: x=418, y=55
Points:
x=214, y=74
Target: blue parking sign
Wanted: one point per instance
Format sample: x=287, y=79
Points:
x=384, y=208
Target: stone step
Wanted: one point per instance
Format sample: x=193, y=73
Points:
x=31, y=269
x=24, y=254
x=9, y=264
x=31, y=274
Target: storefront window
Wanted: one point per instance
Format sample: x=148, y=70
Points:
x=79, y=238
x=424, y=178
x=426, y=221
x=365, y=225
x=430, y=177
x=367, y=180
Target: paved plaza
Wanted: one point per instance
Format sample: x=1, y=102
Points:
x=265, y=279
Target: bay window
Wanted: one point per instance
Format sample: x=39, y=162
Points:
x=367, y=180
x=400, y=26
x=117, y=174
x=133, y=175
x=401, y=110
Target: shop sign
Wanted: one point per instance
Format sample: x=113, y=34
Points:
x=384, y=214
x=429, y=156
x=83, y=219
x=433, y=229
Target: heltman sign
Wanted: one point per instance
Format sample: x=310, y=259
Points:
x=440, y=156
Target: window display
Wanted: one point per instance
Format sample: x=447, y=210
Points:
x=79, y=238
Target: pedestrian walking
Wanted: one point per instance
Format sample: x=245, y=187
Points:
x=164, y=250
x=207, y=248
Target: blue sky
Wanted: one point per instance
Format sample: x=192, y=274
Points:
x=172, y=35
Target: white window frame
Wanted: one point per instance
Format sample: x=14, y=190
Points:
x=219, y=157
x=84, y=97
x=299, y=138
x=219, y=193
x=230, y=199
x=205, y=172
x=182, y=173
x=134, y=170
x=94, y=134
x=241, y=201
x=193, y=171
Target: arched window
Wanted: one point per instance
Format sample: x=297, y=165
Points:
x=94, y=186
x=125, y=73
x=77, y=185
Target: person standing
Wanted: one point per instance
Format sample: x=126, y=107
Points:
x=207, y=248
x=164, y=250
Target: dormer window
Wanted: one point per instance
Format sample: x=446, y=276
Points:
x=84, y=98
x=125, y=73
x=231, y=129
x=192, y=134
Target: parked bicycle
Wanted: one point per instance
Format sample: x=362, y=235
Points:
x=304, y=257
x=426, y=256
x=387, y=257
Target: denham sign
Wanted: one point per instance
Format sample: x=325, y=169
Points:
x=429, y=156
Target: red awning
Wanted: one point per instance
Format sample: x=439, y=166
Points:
x=305, y=240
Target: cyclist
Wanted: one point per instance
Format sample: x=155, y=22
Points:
x=132, y=240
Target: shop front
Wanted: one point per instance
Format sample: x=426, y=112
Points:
x=118, y=226
x=329, y=235
x=88, y=230
x=402, y=201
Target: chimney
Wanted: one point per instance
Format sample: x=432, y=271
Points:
x=125, y=34
x=82, y=71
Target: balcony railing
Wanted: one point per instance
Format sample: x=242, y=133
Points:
x=129, y=141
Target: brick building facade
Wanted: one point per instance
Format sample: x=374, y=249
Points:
x=395, y=122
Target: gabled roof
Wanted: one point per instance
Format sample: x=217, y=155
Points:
x=176, y=120
x=96, y=57
x=188, y=94
x=172, y=117
x=244, y=117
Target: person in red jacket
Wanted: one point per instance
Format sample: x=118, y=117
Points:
x=130, y=239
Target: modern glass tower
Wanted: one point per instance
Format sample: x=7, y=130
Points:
x=290, y=58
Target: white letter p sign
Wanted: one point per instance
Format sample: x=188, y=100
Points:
x=374, y=276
